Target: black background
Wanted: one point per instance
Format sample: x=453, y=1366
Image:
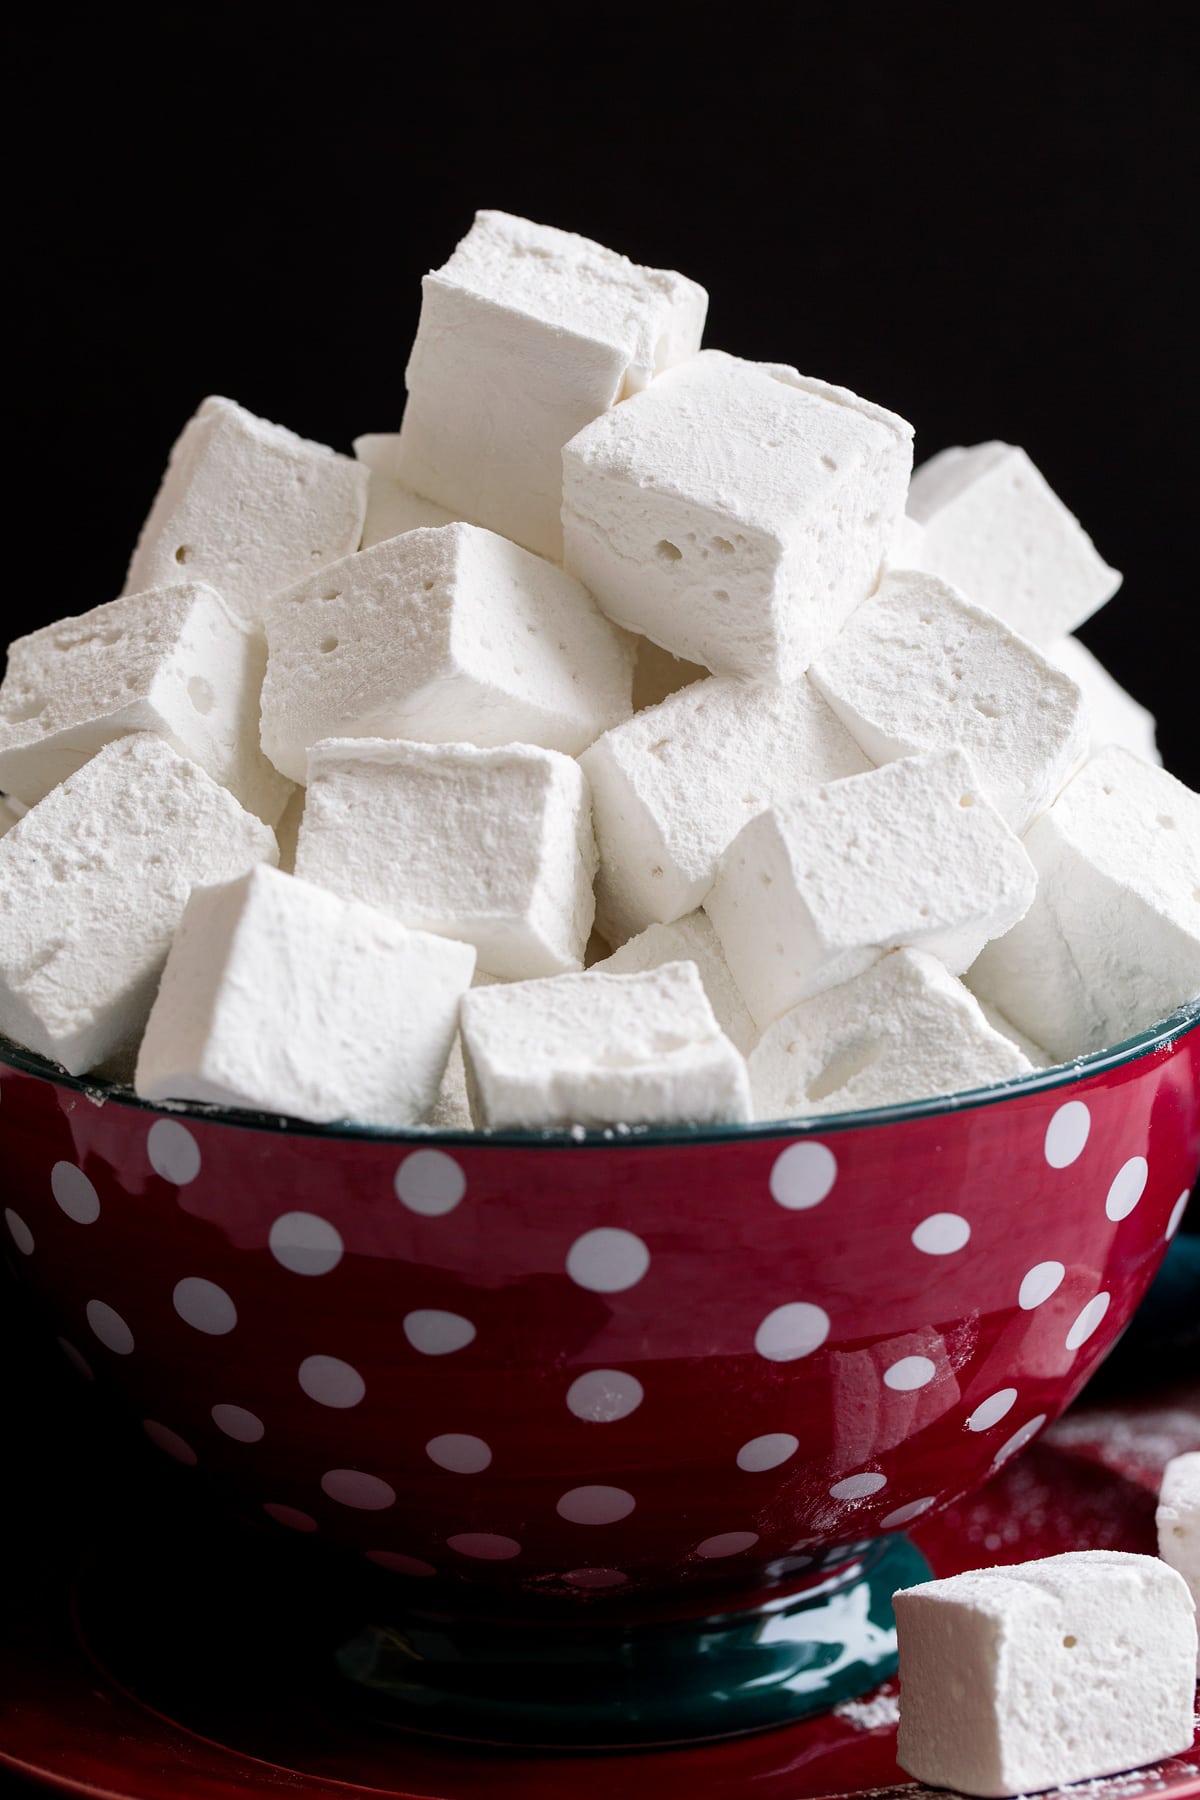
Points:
x=977, y=215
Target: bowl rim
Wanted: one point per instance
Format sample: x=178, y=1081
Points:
x=1160, y=1037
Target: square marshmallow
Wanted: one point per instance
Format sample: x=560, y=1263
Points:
x=904, y=1030
x=1116, y=717
x=593, y=1049
x=1111, y=943
x=175, y=661
x=363, y=1035
x=1178, y=1521
x=391, y=507
x=93, y=883
x=735, y=512
x=1029, y=1677
x=921, y=668
x=249, y=507
x=443, y=636
x=673, y=786
x=993, y=527
x=491, y=846
x=526, y=334
x=817, y=888
x=690, y=939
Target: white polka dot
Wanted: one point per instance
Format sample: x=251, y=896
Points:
x=727, y=1543
x=1087, y=1321
x=436, y=1333
x=109, y=1327
x=607, y=1260
x=857, y=1487
x=399, y=1564
x=595, y=1578
x=351, y=1487
x=903, y=1514
x=76, y=1360
x=791, y=1331
x=803, y=1175
x=1019, y=1439
x=767, y=1452
x=989, y=1412
x=289, y=1516
x=459, y=1452
x=430, y=1182
x=909, y=1373
x=204, y=1306
x=305, y=1244
x=173, y=1151
x=596, y=1505
x=245, y=1427
x=1177, y=1212
x=1067, y=1133
x=941, y=1234
x=484, y=1546
x=1128, y=1186
x=605, y=1395
x=74, y=1193
x=330, y=1381
x=170, y=1442
x=19, y=1231
x=1044, y=1279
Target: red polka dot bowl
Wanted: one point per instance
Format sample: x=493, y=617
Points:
x=630, y=1375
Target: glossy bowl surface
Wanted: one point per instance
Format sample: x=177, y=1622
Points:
x=643, y=1372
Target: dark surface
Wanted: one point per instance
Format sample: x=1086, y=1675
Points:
x=976, y=216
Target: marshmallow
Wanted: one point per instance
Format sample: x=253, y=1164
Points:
x=994, y=528
x=442, y=636
x=673, y=786
x=8, y=815
x=598, y=1049
x=815, y=889
x=1111, y=944
x=249, y=507
x=904, y=1030
x=904, y=551
x=735, y=512
x=657, y=674
x=1116, y=717
x=690, y=939
x=920, y=668
x=93, y=885
x=281, y=997
x=1178, y=1520
x=526, y=334
x=1035, y=1055
x=1028, y=1677
x=391, y=507
x=451, y=1111
x=174, y=661
x=491, y=846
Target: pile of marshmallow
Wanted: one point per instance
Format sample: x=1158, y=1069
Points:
x=627, y=740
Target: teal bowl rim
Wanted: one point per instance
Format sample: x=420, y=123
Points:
x=1159, y=1037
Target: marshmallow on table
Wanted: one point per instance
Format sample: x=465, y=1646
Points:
x=174, y=660
x=249, y=507
x=282, y=997
x=905, y=1030
x=1178, y=1521
x=391, y=507
x=526, y=334
x=920, y=668
x=598, y=1049
x=448, y=635
x=673, y=786
x=815, y=889
x=1028, y=1677
x=1116, y=717
x=491, y=846
x=657, y=674
x=690, y=939
x=735, y=512
x=93, y=882
x=1111, y=943
x=993, y=527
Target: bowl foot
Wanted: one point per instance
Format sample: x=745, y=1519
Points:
x=607, y=1685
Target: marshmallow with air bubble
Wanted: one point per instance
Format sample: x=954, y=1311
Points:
x=736, y=513
x=1177, y=1519
x=526, y=334
x=491, y=846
